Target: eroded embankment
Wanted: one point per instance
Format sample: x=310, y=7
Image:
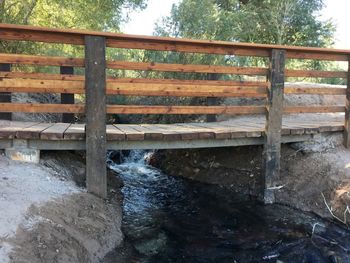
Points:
x=46, y=217
x=314, y=175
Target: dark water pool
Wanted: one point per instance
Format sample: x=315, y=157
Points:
x=169, y=219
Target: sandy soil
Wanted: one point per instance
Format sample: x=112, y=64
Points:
x=45, y=217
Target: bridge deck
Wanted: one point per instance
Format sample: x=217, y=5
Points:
x=235, y=132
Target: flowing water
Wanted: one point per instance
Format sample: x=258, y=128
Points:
x=170, y=219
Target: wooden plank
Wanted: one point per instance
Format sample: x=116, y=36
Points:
x=55, y=132
x=220, y=132
x=315, y=74
x=114, y=134
x=151, y=132
x=41, y=60
x=189, y=68
x=184, y=90
x=138, y=89
x=346, y=135
x=73, y=36
x=41, y=76
x=243, y=129
x=46, y=76
x=33, y=132
x=5, y=96
x=95, y=86
x=230, y=110
x=313, y=109
x=231, y=83
x=315, y=90
x=169, y=132
x=36, y=108
x=130, y=133
x=67, y=98
x=293, y=128
x=36, y=85
x=185, y=133
x=272, y=145
x=138, y=109
x=203, y=133
x=75, y=132
x=9, y=129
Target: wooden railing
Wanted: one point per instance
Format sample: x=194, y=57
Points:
x=96, y=85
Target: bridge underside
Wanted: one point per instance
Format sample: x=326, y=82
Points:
x=236, y=132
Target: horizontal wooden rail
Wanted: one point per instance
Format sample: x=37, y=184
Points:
x=126, y=65
x=76, y=37
x=131, y=109
x=142, y=109
x=46, y=76
x=189, y=68
x=135, y=89
x=315, y=90
x=316, y=74
x=314, y=109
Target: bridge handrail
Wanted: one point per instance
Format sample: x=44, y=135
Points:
x=76, y=37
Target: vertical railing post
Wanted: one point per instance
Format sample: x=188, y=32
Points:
x=5, y=96
x=347, y=110
x=212, y=101
x=272, y=146
x=95, y=90
x=67, y=98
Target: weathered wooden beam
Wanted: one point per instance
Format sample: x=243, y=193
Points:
x=67, y=98
x=95, y=86
x=273, y=129
x=5, y=96
x=347, y=111
x=212, y=101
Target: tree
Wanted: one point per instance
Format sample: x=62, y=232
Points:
x=83, y=14
x=291, y=22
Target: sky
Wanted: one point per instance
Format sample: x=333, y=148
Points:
x=142, y=22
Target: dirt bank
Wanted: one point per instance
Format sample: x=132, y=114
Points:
x=46, y=217
x=313, y=173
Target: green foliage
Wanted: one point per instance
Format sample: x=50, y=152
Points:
x=283, y=22
x=292, y=22
x=82, y=14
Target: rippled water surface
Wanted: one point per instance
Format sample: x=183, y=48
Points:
x=169, y=219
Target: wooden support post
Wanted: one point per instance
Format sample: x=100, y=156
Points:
x=347, y=111
x=5, y=96
x=67, y=98
x=95, y=85
x=212, y=101
x=272, y=145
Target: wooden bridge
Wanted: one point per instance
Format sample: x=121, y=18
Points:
x=270, y=125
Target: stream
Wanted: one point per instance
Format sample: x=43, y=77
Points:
x=171, y=219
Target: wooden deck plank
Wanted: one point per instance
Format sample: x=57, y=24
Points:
x=75, y=132
x=220, y=131
x=33, y=132
x=203, y=133
x=55, y=132
x=185, y=132
x=169, y=133
x=151, y=133
x=114, y=134
x=164, y=132
x=8, y=129
x=130, y=133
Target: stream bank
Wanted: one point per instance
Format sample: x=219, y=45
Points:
x=313, y=173
x=47, y=217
